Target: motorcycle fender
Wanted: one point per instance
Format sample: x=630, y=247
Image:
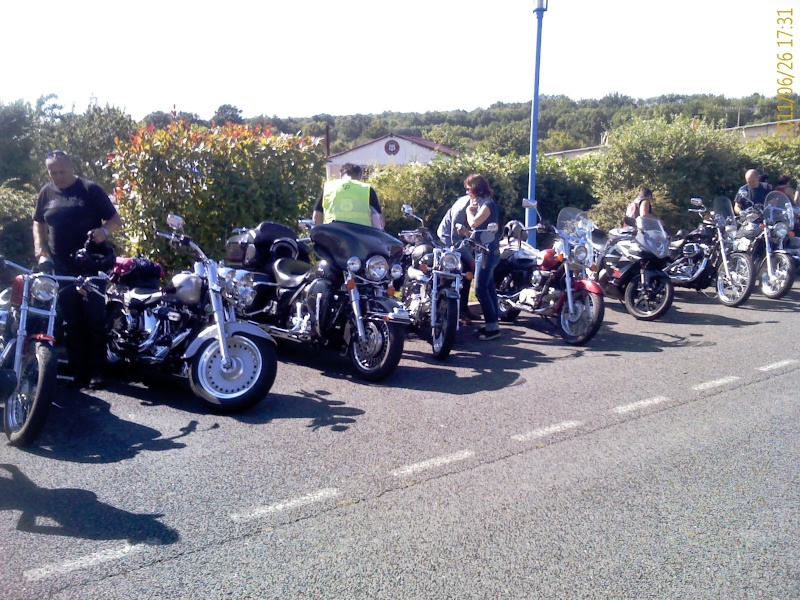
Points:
x=230, y=328
x=382, y=307
x=451, y=293
x=588, y=285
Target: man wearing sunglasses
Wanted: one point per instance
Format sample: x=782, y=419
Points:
x=69, y=212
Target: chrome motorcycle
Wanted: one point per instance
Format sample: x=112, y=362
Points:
x=29, y=323
x=762, y=233
x=706, y=256
x=189, y=327
x=343, y=301
x=630, y=267
x=551, y=282
x=431, y=290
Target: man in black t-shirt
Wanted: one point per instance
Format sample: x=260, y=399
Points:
x=70, y=210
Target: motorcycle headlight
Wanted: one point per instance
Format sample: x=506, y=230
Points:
x=377, y=268
x=580, y=254
x=397, y=271
x=450, y=262
x=227, y=278
x=781, y=229
x=44, y=289
x=245, y=290
x=354, y=264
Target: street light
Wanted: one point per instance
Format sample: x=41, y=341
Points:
x=530, y=202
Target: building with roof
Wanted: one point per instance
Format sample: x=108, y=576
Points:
x=390, y=149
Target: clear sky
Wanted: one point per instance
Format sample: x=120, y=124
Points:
x=301, y=58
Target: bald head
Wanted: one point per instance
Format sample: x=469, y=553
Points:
x=752, y=178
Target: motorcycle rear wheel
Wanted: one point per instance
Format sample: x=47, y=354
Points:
x=244, y=384
x=649, y=304
x=583, y=323
x=736, y=290
x=445, y=328
x=26, y=410
x=782, y=281
x=377, y=356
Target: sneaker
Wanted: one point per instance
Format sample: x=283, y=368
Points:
x=489, y=335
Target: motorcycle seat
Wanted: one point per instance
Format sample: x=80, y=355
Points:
x=290, y=272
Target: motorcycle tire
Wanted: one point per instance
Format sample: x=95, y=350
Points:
x=736, y=290
x=26, y=410
x=652, y=304
x=444, y=330
x=247, y=383
x=506, y=312
x=583, y=323
x=377, y=356
x=783, y=280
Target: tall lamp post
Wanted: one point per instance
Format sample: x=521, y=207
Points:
x=530, y=202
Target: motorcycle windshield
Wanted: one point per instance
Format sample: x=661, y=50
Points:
x=574, y=222
x=338, y=241
x=652, y=236
x=778, y=207
x=723, y=207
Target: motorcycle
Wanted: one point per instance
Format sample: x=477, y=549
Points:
x=29, y=321
x=342, y=302
x=189, y=328
x=551, y=282
x=761, y=234
x=431, y=289
x=630, y=267
x=706, y=256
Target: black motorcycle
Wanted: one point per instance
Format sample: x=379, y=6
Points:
x=762, y=234
x=343, y=301
x=630, y=267
x=706, y=257
x=189, y=328
x=431, y=290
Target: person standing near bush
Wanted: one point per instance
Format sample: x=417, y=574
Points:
x=784, y=185
x=482, y=211
x=753, y=192
x=642, y=205
x=69, y=210
x=348, y=199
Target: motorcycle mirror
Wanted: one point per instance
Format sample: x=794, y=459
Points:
x=305, y=224
x=407, y=209
x=492, y=228
x=697, y=201
x=528, y=203
x=175, y=222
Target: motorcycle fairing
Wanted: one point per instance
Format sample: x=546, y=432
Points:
x=338, y=241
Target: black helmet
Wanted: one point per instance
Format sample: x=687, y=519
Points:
x=94, y=257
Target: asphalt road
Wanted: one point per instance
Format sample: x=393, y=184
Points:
x=659, y=461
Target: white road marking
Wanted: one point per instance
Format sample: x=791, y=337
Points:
x=262, y=511
x=433, y=463
x=81, y=563
x=626, y=408
x=545, y=431
x=715, y=383
x=777, y=365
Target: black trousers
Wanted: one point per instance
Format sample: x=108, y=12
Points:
x=85, y=329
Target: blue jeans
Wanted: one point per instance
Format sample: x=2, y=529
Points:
x=484, y=286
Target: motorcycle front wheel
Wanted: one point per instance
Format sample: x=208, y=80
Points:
x=444, y=327
x=377, y=355
x=241, y=386
x=581, y=325
x=650, y=301
x=736, y=289
x=782, y=278
x=26, y=410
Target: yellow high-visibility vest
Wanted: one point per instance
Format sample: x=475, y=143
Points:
x=346, y=200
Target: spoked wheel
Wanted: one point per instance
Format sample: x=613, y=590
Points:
x=736, y=289
x=377, y=355
x=581, y=325
x=244, y=383
x=650, y=301
x=507, y=312
x=26, y=410
x=782, y=278
x=445, y=327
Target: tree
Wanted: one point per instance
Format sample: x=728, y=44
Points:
x=227, y=113
x=16, y=142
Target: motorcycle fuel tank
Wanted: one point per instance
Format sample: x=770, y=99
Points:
x=186, y=287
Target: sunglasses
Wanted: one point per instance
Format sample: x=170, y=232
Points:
x=56, y=154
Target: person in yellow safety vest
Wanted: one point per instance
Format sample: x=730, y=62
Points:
x=348, y=199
